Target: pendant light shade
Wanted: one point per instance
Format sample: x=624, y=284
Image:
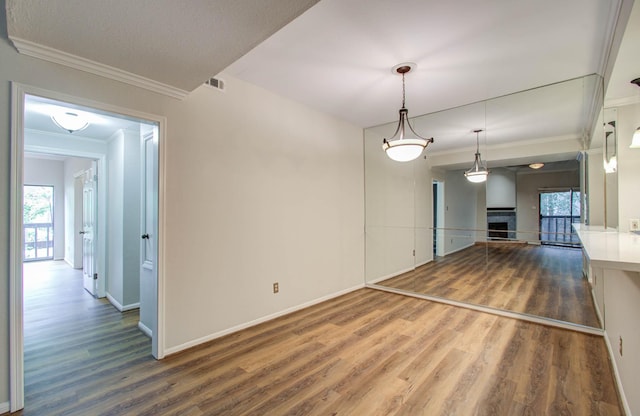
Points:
x=635, y=141
x=478, y=172
x=405, y=144
x=70, y=121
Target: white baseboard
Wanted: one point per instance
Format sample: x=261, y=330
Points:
x=142, y=327
x=616, y=375
x=178, y=348
x=122, y=308
x=595, y=304
x=4, y=407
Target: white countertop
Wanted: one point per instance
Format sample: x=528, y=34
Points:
x=609, y=248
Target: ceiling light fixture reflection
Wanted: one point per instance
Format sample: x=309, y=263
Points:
x=478, y=172
x=536, y=165
x=404, y=145
x=70, y=121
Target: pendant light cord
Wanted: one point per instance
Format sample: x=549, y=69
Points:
x=403, y=90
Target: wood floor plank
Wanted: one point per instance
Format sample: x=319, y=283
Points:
x=545, y=281
x=367, y=352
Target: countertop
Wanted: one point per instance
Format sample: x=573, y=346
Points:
x=608, y=248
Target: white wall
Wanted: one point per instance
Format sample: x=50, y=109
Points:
x=398, y=209
x=258, y=189
x=501, y=188
x=123, y=233
x=51, y=173
x=461, y=205
x=115, y=161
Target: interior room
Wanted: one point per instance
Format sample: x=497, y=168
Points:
x=321, y=207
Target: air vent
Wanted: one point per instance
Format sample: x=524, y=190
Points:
x=215, y=83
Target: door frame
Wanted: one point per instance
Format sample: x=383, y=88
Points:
x=16, y=319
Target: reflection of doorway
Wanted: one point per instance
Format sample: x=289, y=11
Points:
x=20, y=131
x=559, y=208
x=438, y=218
x=37, y=222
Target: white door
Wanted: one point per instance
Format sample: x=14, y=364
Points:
x=149, y=237
x=89, y=197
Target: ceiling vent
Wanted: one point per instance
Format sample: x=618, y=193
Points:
x=215, y=83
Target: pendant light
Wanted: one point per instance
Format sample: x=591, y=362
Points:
x=404, y=145
x=478, y=172
x=635, y=141
x=70, y=121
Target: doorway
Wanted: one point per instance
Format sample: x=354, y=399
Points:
x=61, y=144
x=438, y=218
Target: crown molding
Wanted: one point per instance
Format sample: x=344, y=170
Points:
x=621, y=102
x=46, y=53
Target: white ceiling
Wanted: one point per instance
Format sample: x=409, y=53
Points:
x=177, y=43
x=337, y=55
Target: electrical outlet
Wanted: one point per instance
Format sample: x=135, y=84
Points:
x=276, y=287
x=620, y=345
x=634, y=224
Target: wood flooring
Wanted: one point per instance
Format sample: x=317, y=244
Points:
x=365, y=353
x=539, y=280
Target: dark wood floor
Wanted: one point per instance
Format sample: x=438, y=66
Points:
x=539, y=280
x=364, y=353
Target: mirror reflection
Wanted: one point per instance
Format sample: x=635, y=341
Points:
x=506, y=243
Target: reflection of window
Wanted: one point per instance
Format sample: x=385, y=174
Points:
x=38, y=222
x=558, y=210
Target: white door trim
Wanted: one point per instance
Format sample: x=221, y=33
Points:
x=16, y=329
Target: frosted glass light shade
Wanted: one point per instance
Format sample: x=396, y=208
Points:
x=70, y=121
x=635, y=141
x=404, y=150
x=478, y=172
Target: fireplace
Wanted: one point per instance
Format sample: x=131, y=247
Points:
x=501, y=223
x=498, y=230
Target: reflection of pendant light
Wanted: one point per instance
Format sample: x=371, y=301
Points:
x=635, y=141
x=70, y=121
x=404, y=149
x=478, y=172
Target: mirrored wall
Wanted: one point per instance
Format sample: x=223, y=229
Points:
x=506, y=243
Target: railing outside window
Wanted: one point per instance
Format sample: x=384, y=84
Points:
x=38, y=241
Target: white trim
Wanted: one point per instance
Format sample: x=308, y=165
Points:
x=119, y=306
x=16, y=319
x=46, y=53
x=595, y=303
x=621, y=102
x=16, y=329
x=4, y=407
x=142, y=327
x=616, y=374
x=494, y=311
x=193, y=343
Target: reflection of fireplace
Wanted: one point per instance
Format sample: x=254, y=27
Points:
x=501, y=223
x=498, y=230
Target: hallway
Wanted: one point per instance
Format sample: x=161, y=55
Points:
x=72, y=342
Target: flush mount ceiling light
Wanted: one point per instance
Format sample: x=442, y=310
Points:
x=478, y=172
x=70, y=121
x=404, y=145
x=635, y=141
x=536, y=165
